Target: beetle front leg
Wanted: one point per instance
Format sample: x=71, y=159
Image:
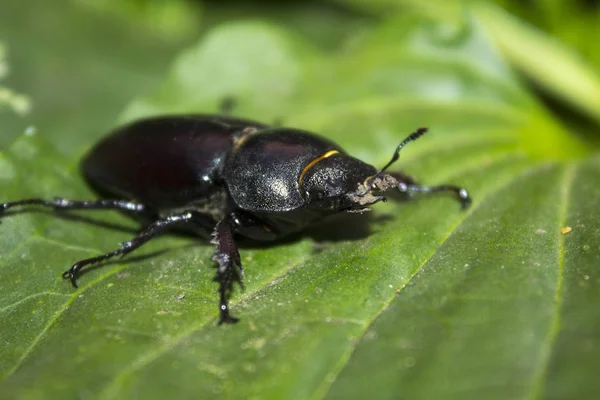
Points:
x=408, y=185
x=153, y=230
x=229, y=267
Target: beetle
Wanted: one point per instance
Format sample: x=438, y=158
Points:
x=223, y=176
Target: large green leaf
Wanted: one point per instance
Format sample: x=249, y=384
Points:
x=78, y=67
x=434, y=302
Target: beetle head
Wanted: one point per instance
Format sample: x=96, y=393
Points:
x=344, y=183
x=334, y=183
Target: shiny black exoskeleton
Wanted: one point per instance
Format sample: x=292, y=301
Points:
x=226, y=176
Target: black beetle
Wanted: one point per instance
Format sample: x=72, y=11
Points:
x=222, y=175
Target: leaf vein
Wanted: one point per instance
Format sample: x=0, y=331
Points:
x=539, y=376
x=27, y=298
x=67, y=245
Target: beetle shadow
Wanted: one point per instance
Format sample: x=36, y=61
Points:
x=336, y=228
x=341, y=227
x=68, y=216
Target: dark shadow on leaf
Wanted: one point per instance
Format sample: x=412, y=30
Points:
x=71, y=217
x=337, y=228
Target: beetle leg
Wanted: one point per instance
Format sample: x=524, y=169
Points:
x=153, y=230
x=228, y=258
x=408, y=185
x=63, y=204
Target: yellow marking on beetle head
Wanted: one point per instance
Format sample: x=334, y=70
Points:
x=313, y=162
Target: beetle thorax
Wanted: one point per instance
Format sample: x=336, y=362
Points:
x=262, y=174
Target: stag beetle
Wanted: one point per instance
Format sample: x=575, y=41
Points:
x=219, y=175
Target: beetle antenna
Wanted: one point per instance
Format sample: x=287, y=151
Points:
x=413, y=136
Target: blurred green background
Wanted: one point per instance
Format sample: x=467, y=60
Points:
x=430, y=303
x=79, y=62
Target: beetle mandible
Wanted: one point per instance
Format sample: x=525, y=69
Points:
x=219, y=175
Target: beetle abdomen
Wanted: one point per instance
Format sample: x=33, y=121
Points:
x=163, y=162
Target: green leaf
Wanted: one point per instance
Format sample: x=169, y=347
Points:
x=78, y=68
x=434, y=302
